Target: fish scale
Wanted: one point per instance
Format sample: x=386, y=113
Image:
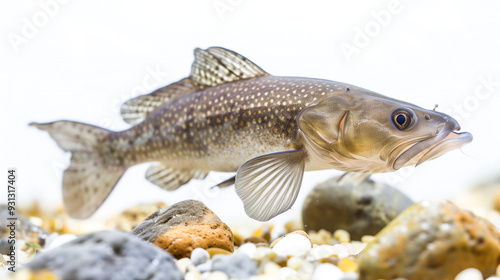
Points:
x=229, y=115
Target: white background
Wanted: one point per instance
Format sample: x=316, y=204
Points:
x=79, y=60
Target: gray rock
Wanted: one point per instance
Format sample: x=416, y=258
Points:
x=361, y=209
x=238, y=266
x=108, y=255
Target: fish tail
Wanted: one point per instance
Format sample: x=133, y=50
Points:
x=88, y=180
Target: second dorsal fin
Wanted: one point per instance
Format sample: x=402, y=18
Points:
x=211, y=67
x=135, y=110
x=215, y=66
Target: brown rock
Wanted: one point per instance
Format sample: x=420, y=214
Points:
x=184, y=226
x=431, y=240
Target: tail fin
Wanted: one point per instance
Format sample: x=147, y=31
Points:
x=87, y=181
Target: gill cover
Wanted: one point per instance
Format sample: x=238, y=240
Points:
x=322, y=126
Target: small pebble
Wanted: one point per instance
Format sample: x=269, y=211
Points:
x=205, y=267
x=367, y=238
x=184, y=264
x=321, y=237
x=259, y=241
x=324, y=251
x=287, y=273
x=342, y=236
x=493, y=278
x=262, y=253
x=470, y=274
x=199, y=256
x=292, y=244
x=247, y=249
x=217, y=275
x=192, y=275
x=217, y=251
x=235, y=266
x=294, y=263
x=271, y=269
x=327, y=271
x=348, y=265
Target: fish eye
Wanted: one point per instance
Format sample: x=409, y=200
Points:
x=402, y=119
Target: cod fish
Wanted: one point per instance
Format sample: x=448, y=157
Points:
x=229, y=115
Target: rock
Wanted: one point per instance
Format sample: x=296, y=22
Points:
x=432, y=240
x=184, y=226
x=295, y=244
x=326, y=271
x=199, y=256
x=259, y=241
x=107, y=255
x=470, y=274
x=237, y=265
x=288, y=273
x=362, y=209
x=247, y=249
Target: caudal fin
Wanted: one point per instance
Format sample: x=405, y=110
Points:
x=87, y=181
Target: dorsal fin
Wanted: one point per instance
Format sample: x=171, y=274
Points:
x=135, y=110
x=211, y=67
x=215, y=66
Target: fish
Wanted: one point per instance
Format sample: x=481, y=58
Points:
x=229, y=115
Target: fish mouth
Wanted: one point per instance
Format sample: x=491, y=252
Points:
x=447, y=138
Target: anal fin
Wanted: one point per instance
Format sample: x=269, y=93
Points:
x=354, y=178
x=268, y=185
x=169, y=178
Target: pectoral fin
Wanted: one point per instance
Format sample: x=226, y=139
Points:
x=268, y=185
x=171, y=179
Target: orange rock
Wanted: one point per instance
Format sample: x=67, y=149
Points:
x=184, y=226
x=431, y=240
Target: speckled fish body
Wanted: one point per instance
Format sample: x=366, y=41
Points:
x=229, y=115
x=221, y=127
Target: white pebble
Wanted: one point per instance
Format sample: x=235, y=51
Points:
x=470, y=274
x=217, y=275
x=183, y=264
x=287, y=273
x=262, y=252
x=493, y=278
x=327, y=271
x=294, y=263
x=199, y=256
x=325, y=251
x=192, y=275
x=271, y=269
x=247, y=249
x=261, y=277
x=292, y=245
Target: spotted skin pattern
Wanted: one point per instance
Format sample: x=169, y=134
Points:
x=220, y=127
